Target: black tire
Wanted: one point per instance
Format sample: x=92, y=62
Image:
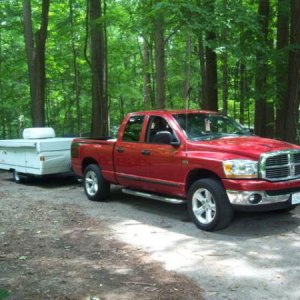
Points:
x=286, y=210
x=18, y=178
x=95, y=186
x=208, y=205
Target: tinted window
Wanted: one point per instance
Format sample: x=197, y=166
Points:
x=208, y=126
x=155, y=125
x=133, y=129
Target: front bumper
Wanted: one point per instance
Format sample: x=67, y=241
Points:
x=264, y=194
x=260, y=201
x=255, y=198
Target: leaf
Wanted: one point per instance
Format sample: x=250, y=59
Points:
x=24, y=257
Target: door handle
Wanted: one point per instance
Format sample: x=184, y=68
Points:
x=145, y=152
x=120, y=149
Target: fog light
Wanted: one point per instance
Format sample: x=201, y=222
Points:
x=254, y=198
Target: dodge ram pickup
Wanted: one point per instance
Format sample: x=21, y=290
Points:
x=199, y=157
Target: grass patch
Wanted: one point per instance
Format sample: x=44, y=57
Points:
x=4, y=294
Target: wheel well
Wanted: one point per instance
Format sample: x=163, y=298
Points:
x=88, y=161
x=199, y=174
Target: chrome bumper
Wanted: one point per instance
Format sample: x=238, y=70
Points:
x=254, y=198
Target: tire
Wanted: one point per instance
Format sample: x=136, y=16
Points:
x=95, y=186
x=208, y=205
x=18, y=178
x=286, y=210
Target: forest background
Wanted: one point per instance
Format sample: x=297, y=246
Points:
x=80, y=65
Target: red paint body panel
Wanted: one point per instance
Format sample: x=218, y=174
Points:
x=166, y=169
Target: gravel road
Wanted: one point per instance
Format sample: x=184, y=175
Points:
x=257, y=257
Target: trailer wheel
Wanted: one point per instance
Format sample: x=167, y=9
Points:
x=95, y=186
x=208, y=205
x=18, y=178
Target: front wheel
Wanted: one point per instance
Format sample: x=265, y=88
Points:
x=95, y=186
x=208, y=205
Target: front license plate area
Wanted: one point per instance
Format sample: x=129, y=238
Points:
x=295, y=198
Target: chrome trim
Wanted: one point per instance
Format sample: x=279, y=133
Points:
x=290, y=165
x=153, y=196
x=243, y=197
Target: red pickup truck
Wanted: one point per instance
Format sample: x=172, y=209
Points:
x=199, y=157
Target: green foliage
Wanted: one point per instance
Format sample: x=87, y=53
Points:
x=4, y=294
x=128, y=24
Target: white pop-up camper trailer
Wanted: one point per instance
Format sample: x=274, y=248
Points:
x=38, y=153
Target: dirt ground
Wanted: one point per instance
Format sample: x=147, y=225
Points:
x=54, y=251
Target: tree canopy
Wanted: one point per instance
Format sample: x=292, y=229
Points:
x=105, y=58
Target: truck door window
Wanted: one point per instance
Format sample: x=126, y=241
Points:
x=133, y=129
x=155, y=125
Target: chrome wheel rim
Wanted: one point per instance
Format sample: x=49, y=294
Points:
x=204, y=206
x=91, y=183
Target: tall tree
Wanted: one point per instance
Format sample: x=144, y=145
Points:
x=147, y=73
x=292, y=111
x=202, y=78
x=243, y=91
x=211, y=64
x=262, y=110
x=98, y=68
x=159, y=40
x=283, y=17
x=35, y=50
x=2, y=110
x=75, y=67
x=186, y=89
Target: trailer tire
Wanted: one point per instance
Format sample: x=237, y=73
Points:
x=18, y=178
x=208, y=205
x=95, y=186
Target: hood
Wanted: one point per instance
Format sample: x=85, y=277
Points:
x=247, y=146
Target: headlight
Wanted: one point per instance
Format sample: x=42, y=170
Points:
x=239, y=168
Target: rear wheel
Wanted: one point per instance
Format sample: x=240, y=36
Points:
x=208, y=205
x=95, y=186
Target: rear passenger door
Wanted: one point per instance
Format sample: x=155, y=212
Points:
x=127, y=154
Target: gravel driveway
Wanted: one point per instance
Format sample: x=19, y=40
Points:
x=257, y=257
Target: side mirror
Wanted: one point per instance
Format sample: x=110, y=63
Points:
x=165, y=137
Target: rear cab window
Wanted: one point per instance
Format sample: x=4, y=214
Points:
x=133, y=129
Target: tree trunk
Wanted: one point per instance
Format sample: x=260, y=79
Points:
x=35, y=50
x=291, y=118
x=2, y=110
x=211, y=66
x=76, y=70
x=186, y=89
x=236, y=83
x=98, y=67
x=283, y=8
x=160, y=94
x=202, y=77
x=224, y=60
x=147, y=74
x=243, y=91
x=261, y=71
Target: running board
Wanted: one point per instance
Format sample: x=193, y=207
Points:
x=153, y=196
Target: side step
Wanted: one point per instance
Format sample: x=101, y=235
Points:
x=153, y=196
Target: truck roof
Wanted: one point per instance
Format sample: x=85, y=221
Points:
x=171, y=112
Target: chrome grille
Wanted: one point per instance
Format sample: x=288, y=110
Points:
x=281, y=165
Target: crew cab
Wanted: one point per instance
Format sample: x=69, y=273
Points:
x=199, y=157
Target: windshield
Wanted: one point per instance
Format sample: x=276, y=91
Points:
x=200, y=126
